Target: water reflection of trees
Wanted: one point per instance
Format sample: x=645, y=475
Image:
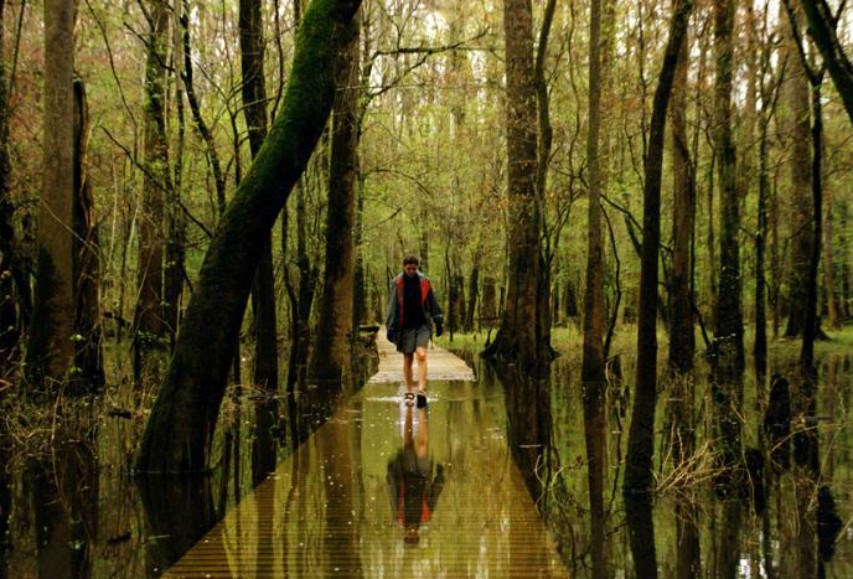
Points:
x=752, y=517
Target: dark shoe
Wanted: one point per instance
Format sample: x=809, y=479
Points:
x=422, y=400
x=409, y=399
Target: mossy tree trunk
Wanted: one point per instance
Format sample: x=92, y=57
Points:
x=331, y=357
x=638, y=470
x=179, y=431
x=148, y=318
x=50, y=352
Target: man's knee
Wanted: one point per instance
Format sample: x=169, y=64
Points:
x=421, y=355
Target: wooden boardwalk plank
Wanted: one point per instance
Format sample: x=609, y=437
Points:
x=442, y=365
x=329, y=510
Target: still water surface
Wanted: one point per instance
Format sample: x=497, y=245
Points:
x=338, y=509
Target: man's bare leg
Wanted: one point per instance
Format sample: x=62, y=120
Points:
x=407, y=371
x=422, y=369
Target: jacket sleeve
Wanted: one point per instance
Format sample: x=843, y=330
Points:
x=434, y=308
x=391, y=314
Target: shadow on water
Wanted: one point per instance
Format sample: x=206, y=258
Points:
x=765, y=492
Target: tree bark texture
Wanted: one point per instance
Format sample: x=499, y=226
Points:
x=8, y=308
x=523, y=336
x=50, y=352
x=89, y=372
x=180, y=428
x=592, y=372
x=331, y=356
x=796, y=98
x=729, y=316
x=638, y=470
x=265, y=371
x=681, y=338
x=149, y=327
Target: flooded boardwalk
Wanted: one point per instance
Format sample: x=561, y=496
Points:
x=389, y=490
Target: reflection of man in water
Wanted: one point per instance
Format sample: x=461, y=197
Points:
x=414, y=491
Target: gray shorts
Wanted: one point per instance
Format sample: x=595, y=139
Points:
x=413, y=338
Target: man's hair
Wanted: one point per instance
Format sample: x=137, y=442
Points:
x=410, y=259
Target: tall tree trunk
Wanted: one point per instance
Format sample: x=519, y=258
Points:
x=769, y=96
x=592, y=373
x=331, y=357
x=729, y=317
x=89, y=369
x=681, y=340
x=8, y=312
x=265, y=371
x=148, y=326
x=179, y=431
x=796, y=97
x=50, y=352
x=176, y=236
x=638, y=470
x=523, y=335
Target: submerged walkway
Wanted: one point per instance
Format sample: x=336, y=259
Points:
x=387, y=490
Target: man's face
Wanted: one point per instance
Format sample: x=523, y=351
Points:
x=411, y=269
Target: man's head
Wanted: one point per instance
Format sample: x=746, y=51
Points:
x=410, y=265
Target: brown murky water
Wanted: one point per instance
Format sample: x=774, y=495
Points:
x=335, y=506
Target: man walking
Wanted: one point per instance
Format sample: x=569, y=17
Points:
x=412, y=309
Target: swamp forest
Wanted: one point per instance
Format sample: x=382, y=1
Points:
x=634, y=215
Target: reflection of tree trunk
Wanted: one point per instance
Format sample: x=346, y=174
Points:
x=178, y=511
x=341, y=543
x=638, y=470
x=180, y=429
x=263, y=440
x=5, y=506
x=528, y=404
x=332, y=349
x=50, y=352
x=728, y=540
x=90, y=372
x=65, y=499
x=641, y=535
x=687, y=540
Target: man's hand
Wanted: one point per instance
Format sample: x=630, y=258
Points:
x=391, y=334
x=439, y=329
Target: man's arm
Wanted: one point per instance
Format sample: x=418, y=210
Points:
x=391, y=314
